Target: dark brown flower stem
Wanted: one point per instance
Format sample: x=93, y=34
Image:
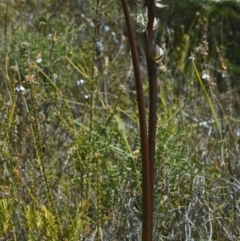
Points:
x=147, y=201
x=152, y=74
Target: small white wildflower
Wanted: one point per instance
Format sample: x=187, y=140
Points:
x=121, y=47
x=122, y=88
x=24, y=44
x=205, y=76
x=39, y=58
x=99, y=48
x=91, y=23
x=80, y=82
x=114, y=37
x=55, y=77
x=191, y=58
x=86, y=97
x=19, y=88
x=106, y=28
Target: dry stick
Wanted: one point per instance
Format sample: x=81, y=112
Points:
x=152, y=73
x=147, y=201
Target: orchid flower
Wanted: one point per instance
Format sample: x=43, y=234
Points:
x=141, y=3
x=142, y=21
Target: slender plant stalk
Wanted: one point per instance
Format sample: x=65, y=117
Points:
x=6, y=26
x=152, y=80
x=95, y=38
x=147, y=200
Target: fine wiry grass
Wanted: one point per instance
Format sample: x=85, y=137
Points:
x=69, y=136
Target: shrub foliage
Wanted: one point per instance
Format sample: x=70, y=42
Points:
x=69, y=140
